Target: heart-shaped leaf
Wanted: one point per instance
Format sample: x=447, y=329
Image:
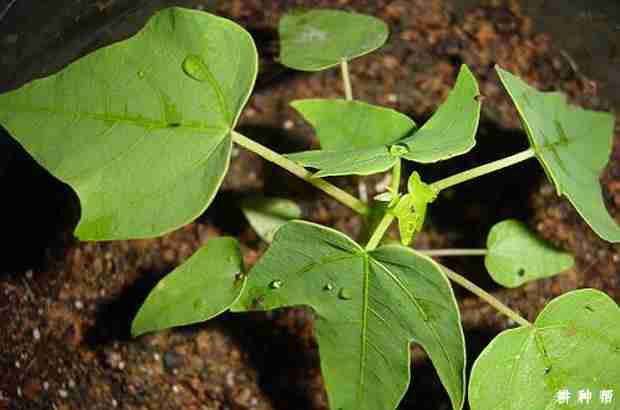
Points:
x=141, y=129
x=343, y=125
x=451, y=131
x=203, y=287
x=572, y=144
x=321, y=38
x=374, y=146
x=266, y=215
x=515, y=255
x=573, y=348
x=370, y=306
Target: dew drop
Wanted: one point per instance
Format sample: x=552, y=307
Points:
x=141, y=74
x=275, y=284
x=239, y=276
x=328, y=287
x=398, y=150
x=344, y=294
x=195, y=68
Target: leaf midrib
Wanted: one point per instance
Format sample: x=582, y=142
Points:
x=138, y=121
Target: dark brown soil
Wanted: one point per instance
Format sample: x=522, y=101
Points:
x=67, y=306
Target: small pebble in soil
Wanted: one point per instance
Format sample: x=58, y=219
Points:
x=392, y=98
x=36, y=334
x=114, y=403
x=172, y=360
x=79, y=304
x=46, y=386
x=288, y=124
x=63, y=393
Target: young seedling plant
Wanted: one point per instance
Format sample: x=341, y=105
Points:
x=142, y=130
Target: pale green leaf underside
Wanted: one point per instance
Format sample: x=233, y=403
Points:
x=369, y=307
x=321, y=38
x=451, y=131
x=573, y=146
x=573, y=345
x=266, y=215
x=364, y=161
x=348, y=125
x=203, y=287
x=516, y=256
x=140, y=129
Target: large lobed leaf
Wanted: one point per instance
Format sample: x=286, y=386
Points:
x=573, y=346
x=572, y=144
x=370, y=306
x=516, y=256
x=141, y=129
x=201, y=288
x=317, y=39
x=363, y=139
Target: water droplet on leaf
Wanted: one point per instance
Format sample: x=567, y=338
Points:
x=398, y=150
x=275, y=284
x=195, y=68
x=328, y=286
x=141, y=74
x=345, y=294
x=239, y=276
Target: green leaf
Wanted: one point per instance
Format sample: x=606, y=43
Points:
x=573, y=345
x=203, y=287
x=318, y=39
x=572, y=144
x=343, y=125
x=141, y=129
x=362, y=139
x=266, y=215
x=451, y=131
x=516, y=256
x=411, y=208
x=370, y=306
x=364, y=161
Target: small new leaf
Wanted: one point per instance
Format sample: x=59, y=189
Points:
x=266, y=215
x=207, y=284
x=516, y=256
x=411, y=208
x=573, y=346
x=572, y=144
x=321, y=38
x=370, y=306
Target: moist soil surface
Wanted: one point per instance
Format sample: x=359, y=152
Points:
x=66, y=306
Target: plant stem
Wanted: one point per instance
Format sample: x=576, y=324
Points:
x=453, y=252
x=387, y=219
x=344, y=68
x=297, y=170
x=483, y=169
x=487, y=297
